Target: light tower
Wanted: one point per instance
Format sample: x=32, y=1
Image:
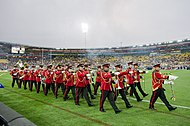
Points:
x=84, y=30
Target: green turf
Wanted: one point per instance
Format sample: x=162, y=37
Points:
x=48, y=111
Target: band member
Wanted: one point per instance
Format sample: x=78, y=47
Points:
x=81, y=85
x=32, y=78
x=88, y=80
x=49, y=80
x=137, y=79
x=107, y=89
x=130, y=78
x=98, y=80
x=14, y=73
x=158, y=90
x=21, y=76
x=119, y=85
x=59, y=77
x=26, y=77
x=69, y=83
x=39, y=75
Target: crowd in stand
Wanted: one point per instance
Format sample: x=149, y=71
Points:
x=175, y=61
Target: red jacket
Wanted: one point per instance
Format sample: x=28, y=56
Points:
x=49, y=76
x=137, y=76
x=120, y=79
x=130, y=76
x=38, y=75
x=98, y=76
x=26, y=74
x=157, y=80
x=69, y=79
x=32, y=76
x=21, y=74
x=87, y=81
x=59, y=77
x=14, y=73
x=106, y=81
x=81, y=79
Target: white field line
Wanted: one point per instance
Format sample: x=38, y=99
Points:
x=1, y=74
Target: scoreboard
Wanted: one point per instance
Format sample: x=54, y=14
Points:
x=17, y=50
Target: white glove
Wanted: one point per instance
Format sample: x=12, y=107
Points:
x=131, y=72
x=92, y=72
x=15, y=74
x=21, y=77
x=88, y=75
x=146, y=71
x=126, y=80
x=74, y=73
x=140, y=71
x=62, y=71
x=117, y=73
x=171, y=77
x=168, y=82
x=116, y=81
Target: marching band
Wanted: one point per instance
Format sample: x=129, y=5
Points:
x=81, y=81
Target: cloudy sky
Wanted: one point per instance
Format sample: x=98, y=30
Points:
x=57, y=23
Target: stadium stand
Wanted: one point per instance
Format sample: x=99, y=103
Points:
x=9, y=117
x=171, y=55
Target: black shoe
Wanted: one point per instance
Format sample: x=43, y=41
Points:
x=172, y=108
x=92, y=97
x=102, y=110
x=145, y=95
x=77, y=104
x=139, y=100
x=90, y=105
x=129, y=106
x=152, y=108
x=117, y=111
x=67, y=97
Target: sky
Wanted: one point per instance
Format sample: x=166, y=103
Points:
x=111, y=23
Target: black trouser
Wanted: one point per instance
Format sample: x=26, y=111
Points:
x=109, y=95
x=68, y=88
x=31, y=84
x=159, y=93
x=13, y=82
x=43, y=86
x=123, y=96
x=89, y=90
x=25, y=83
x=96, y=87
x=20, y=83
x=38, y=87
x=133, y=89
x=84, y=93
x=139, y=87
x=63, y=88
x=47, y=88
x=58, y=85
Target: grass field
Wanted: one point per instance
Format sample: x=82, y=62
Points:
x=48, y=111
